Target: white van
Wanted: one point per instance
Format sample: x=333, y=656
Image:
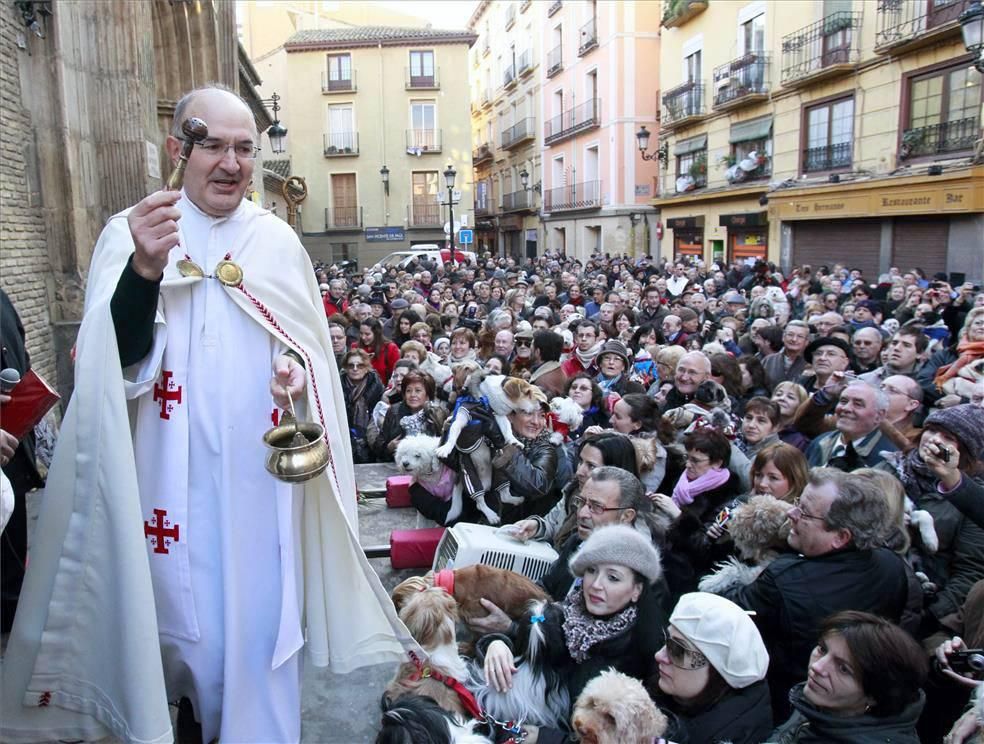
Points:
x=429, y=251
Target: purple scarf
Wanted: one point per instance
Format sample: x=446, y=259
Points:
x=685, y=491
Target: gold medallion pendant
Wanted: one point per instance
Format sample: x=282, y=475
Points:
x=188, y=268
x=229, y=273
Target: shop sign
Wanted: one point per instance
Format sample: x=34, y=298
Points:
x=749, y=219
x=385, y=235
x=685, y=223
x=642, y=189
x=875, y=202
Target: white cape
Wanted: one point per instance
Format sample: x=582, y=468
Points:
x=83, y=659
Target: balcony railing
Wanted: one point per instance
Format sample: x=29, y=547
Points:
x=555, y=60
x=342, y=217
x=341, y=144
x=509, y=76
x=487, y=97
x=346, y=85
x=525, y=62
x=939, y=139
x=521, y=131
x=584, y=116
x=905, y=24
x=586, y=195
x=589, y=37
x=828, y=157
x=417, y=80
x=742, y=80
x=423, y=140
x=422, y=214
x=824, y=48
x=678, y=12
x=482, y=153
x=483, y=209
x=516, y=201
x=554, y=7
x=525, y=5
x=683, y=104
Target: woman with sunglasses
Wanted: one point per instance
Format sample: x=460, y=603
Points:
x=363, y=391
x=584, y=391
x=712, y=670
x=864, y=685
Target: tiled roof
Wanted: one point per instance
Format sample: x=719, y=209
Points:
x=373, y=35
x=281, y=166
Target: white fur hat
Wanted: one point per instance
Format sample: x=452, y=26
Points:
x=725, y=635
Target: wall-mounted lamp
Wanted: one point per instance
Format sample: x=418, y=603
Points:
x=972, y=28
x=277, y=131
x=384, y=173
x=524, y=178
x=662, y=152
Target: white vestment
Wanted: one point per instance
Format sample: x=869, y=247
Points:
x=148, y=547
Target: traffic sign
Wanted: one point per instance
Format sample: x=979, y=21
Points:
x=466, y=237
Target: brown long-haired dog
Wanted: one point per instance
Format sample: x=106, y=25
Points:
x=509, y=590
x=616, y=709
x=431, y=616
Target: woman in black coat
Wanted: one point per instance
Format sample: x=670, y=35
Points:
x=362, y=390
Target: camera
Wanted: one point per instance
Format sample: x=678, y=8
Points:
x=969, y=663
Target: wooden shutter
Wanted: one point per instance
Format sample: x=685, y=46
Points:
x=920, y=242
x=856, y=243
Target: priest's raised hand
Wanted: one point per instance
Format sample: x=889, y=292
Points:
x=154, y=226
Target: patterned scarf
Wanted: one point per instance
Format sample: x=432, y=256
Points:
x=583, y=630
x=587, y=358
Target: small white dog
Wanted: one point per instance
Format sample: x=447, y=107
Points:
x=417, y=455
x=565, y=416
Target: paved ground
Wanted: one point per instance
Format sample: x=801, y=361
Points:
x=344, y=709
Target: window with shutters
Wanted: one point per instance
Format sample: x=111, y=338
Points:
x=941, y=112
x=340, y=72
x=425, y=211
x=345, y=210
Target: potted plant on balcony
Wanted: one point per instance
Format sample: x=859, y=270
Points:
x=698, y=169
x=911, y=139
x=728, y=160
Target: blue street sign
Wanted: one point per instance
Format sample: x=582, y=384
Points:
x=385, y=235
x=466, y=237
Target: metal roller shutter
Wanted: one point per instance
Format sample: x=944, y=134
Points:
x=854, y=243
x=920, y=242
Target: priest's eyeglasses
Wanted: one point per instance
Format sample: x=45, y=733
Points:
x=594, y=507
x=682, y=656
x=217, y=149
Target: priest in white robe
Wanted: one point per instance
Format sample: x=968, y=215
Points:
x=168, y=563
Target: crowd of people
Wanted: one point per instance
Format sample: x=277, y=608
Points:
x=761, y=593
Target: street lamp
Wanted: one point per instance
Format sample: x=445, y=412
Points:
x=277, y=131
x=524, y=178
x=384, y=172
x=972, y=28
x=449, y=175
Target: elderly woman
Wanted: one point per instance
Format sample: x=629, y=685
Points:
x=712, y=670
x=944, y=475
x=947, y=379
x=614, y=368
x=363, y=391
x=611, y=620
x=416, y=413
x=863, y=685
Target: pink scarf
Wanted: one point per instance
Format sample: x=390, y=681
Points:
x=685, y=491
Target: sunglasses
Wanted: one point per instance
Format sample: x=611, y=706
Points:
x=678, y=653
x=523, y=342
x=355, y=365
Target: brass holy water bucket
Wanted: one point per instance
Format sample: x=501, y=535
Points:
x=292, y=461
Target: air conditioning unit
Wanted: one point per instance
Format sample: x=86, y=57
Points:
x=466, y=544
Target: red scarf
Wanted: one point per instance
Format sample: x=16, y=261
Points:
x=969, y=351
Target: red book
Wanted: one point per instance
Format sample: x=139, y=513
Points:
x=30, y=400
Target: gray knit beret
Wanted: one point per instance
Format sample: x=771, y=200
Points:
x=965, y=422
x=622, y=545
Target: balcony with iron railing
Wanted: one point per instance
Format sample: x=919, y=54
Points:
x=424, y=214
x=948, y=137
x=341, y=85
x=589, y=37
x=555, y=60
x=522, y=131
x=683, y=105
x=483, y=209
x=341, y=144
x=423, y=141
x=678, y=12
x=825, y=49
x=509, y=76
x=482, y=153
x=421, y=80
x=517, y=201
x=554, y=7
x=524, y=63
x=905, y=25
x=524, y=5
x=578, y=119
x=342, y=218
x=741, y=81
x=586, y=195
x=828, y=157
x=487, y=98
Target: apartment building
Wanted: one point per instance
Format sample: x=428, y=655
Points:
x=809, y=131
x=375, y=115
x=505, y=112
x=600, y=61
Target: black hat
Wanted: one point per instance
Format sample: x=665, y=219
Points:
x=826, y=341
